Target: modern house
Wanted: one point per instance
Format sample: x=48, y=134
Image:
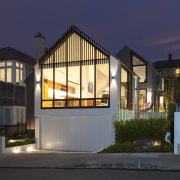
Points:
x=149, y=83
x=168, y=70
x=16, y=87
x=80, y=90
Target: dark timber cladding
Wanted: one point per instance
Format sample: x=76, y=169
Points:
x=76, y=47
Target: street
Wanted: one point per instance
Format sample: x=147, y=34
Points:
x=84, y=174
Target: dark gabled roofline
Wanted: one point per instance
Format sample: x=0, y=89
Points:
x=123, y=64
x=9, y=53
x=167, y=64
x=133, y=52
x=74, y=29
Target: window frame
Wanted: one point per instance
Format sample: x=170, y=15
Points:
x=5, y=67
x=129, y=89
x=139, y=65
x=144, y=89
x=94, y=100
x=20, y=69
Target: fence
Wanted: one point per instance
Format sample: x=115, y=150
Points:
x=146, y=113
x=18, y=128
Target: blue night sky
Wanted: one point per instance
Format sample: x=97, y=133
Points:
x=149, y=27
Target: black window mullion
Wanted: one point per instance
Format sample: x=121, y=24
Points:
x=95, y=78
x=53, y=77
x=67, y=54
x=81, y=57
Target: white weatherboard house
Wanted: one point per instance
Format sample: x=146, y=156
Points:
x=80, y=90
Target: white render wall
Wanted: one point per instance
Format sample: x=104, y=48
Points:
x=75, y=133
x=81, y=129
x=176, y=132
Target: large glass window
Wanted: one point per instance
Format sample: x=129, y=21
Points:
x=76, y=74
x=19, y=73
x=141, y=72
x=82, y=89
x=6, y=71
x=47, y=87
x=102, y=84
x=2, y=74
x=9, y=74
x=142, y=98
x=73, y=86
x=139, y=67
x=60, y=86
x=162, y=84
x=87, y=87
x=124, y=88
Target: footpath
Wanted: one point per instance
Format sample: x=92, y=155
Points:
x=83, y=160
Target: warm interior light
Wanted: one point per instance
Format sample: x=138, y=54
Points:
x=161, y=99
x=59, y=94
x=149, y=95
x=177, y=71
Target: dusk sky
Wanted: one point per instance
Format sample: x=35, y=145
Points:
x=149, y=27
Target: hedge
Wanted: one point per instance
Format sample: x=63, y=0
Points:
x=132, y=130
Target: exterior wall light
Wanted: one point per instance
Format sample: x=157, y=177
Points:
x=113, y=77
x=38, y=82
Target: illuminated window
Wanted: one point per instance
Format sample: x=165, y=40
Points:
x=162, y=84
x=6, y=71
x=102, y=89
x=9, y=74
x=142, y=98
x=2, y=74
x=17, y=76
x=124, y=87
x=177, y=72
x=2, y=64
x=19, y=73
x=161, y=101
x=87, y=85
x=78, y=78
x=139, y=67
x=126, y=93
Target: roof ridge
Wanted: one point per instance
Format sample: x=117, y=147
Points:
x=67, y=33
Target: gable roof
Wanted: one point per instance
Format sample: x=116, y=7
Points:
x=11, y=53
x=167, y=64
x=132, y=52
x=66, y=35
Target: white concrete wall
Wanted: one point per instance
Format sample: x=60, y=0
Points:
x=83, y=129
x=176, y=132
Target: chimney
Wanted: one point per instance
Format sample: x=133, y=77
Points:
x=39, y=45
x=170, y=57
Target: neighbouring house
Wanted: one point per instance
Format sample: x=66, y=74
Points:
x=149, y=82
x=80, y=90
x=169, y=70
x=16, y=87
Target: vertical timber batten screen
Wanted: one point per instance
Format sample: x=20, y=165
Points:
x=75, y=74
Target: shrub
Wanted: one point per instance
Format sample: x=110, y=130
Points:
x=128, y=147
x=131, y=130
x=20, y=143
x=171, y=109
